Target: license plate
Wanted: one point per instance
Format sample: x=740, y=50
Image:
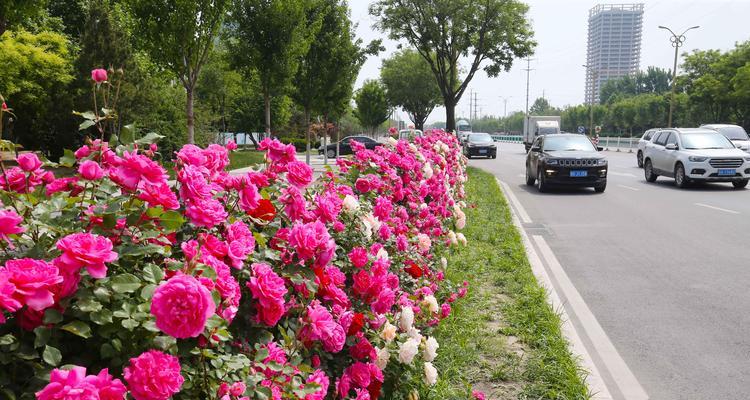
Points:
x=482, y=151
x=580, y=173
x=727, y=172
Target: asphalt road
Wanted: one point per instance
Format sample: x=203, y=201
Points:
x=665, y=272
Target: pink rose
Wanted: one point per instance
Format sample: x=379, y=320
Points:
x=206, y=213
x=153, y=376
x=70, y=384
x=241, y=243
x=90, y=170
x=310, y=240
x=321, y=379
x=249, y=196
x=269, y=289
x=231, y=145
x=159, y=195
x=10, y=224
x=299, y=174
x=278, y=152
x=322, y=327
x=358, y=257
x=34, y=281
x=82, y=152
x=29, y=162
x=181, y=306
x=477, y=395
x=86, y=250
x=8, y=299
x=99, y=75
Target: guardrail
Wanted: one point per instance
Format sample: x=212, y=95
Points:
x=619, y=144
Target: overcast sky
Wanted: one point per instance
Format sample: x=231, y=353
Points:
x=560, y=29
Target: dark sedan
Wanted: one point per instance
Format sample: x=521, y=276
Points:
x=480, y=145
x=345, y=146
x=565, y=160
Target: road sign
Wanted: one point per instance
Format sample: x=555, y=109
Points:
x=598, y=129
x=581, y=129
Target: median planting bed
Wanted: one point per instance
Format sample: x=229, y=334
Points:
x=263, y=285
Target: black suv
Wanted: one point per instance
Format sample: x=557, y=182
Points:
x=479, y=145
x=565, y=160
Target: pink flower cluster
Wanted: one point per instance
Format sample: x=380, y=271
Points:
x=74, y=384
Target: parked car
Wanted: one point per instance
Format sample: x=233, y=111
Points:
x=345, y=145
x=735, y=133
x=565, y=159
x=647, y=136
x=695, y=154
x=479, y=145
x=409, y=134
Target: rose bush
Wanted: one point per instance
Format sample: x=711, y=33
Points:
x=218, y=286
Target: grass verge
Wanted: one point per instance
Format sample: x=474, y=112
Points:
x=245, y=158
x=503, y=338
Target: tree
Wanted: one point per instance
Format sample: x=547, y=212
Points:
x=14, y=12
x=653, y=80
x=372, y=106
x=270, y=37
x=491, y=33
x=541, y=106
x=179, y=36
x=410, y=84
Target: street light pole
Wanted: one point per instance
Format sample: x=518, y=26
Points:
x=677, y=42
x=505, y=111
x=593, y=97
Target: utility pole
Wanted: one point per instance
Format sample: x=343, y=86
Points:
x=528, y=70
x=677, y=42
x=505, y=112
x=591, y=71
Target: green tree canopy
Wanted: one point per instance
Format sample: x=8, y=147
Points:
x=489, y=33
x=653, y=80
x=372, y=105
x=541, y=106
x=14, y=12
x=179, y=36
x=410, y=84
x=270, y=37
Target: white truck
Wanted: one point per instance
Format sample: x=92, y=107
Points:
x=535, y=125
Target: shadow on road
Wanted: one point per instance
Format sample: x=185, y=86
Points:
x=559, y=190
x=667, y=183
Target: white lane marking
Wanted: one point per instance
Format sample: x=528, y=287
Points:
x=717, y=208
x=517, y=204
x=621, y=174
x=594, y=378
x=629, y=187
x=622, y=375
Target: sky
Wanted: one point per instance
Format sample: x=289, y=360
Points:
x=560, y=29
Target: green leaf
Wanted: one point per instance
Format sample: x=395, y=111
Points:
x=78, y=328
x=164, y=342
x=125, y=283
x=8, y=339
x=150, y=137
x=107, y=351
x=42, y=336
x=154, y=212
x=52, y=316
x=68, y=159
x=89, y=305
x=129, y=324
x=102, y=317
x=51, y=356
x=87, y=115
x=86, y=125
x=152, y=273
x=172, y=220
x=261, y=355
x=148, y=291
x=127, y=134
x=109, y=221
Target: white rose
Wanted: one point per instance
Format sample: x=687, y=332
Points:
x=423, y=242
x=392, y=142
x=461, y=221
x=350, y=203
x=430, y=373
x=382, y=253
x=413, y=148
x=430, y=349
x=407, y=318
x=452, y=237
x=383, y=357
x=443, y=262
x=389, y=331
x=431, y=303
x=461, y=238
x=407, y=351
x=427, y=171
x=414, y=334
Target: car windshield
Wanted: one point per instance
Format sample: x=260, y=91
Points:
x=568, y=143
x=696, y=141
x=547, y=131
x=733, y=132
x=480, y=138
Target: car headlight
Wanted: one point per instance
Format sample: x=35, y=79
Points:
x=747, y=158
x=601, y=161
x=551, y=161
x=698, y=158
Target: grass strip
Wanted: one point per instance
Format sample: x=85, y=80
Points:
x=503, y=338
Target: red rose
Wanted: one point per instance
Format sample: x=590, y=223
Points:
x=413, y=269
x=265, y=211
x=358, y=321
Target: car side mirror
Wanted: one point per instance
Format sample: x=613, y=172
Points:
x=671, y=146
x=599, y=148
x=536, y=149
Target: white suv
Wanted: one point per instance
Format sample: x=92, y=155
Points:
x=647, y=136
x=695, y=154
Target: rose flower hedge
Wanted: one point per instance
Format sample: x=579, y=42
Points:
x=116, y=283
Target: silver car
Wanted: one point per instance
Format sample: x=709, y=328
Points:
x=647, y=136
x=695, y=154
x=735, y=133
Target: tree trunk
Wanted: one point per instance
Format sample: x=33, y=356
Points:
x=450, y=116
x=267, y=105
x=307, y=134
x=419, y=125
x=190, y=114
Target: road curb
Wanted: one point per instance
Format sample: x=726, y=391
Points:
x=593, y=379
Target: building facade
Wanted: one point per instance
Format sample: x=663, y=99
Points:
x=614, y=44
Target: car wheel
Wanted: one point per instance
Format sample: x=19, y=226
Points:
x=529, y=179
x=600, y=188
x=640, y=159
x=331, y=153
x=540, y=184
x=648, y=171
x=680, y=180
x=740, y=184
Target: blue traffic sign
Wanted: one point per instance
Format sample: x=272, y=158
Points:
x=581, y=129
